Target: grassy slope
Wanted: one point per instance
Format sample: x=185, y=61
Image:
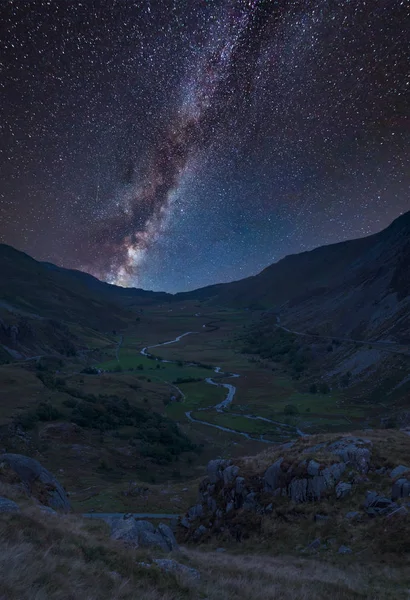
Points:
x=66, y=558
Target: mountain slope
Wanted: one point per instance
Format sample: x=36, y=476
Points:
x=43, y=307
x=358, y=288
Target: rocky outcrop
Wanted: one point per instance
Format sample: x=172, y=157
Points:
x=229, y=488
x=35, y=479
x=401, y=488
x=8, y=506
x=376, y=505
x=142, y=534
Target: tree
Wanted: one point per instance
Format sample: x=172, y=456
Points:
x=313, y=388
x=291, y=409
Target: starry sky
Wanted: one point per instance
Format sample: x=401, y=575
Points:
x=171, y=144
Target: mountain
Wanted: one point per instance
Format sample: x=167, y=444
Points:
x=42, y=306
x=358, y=288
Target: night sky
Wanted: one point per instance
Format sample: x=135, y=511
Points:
x=170, y=144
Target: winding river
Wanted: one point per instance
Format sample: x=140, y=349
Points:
x=226, y=402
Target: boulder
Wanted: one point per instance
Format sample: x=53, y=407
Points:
x=229, y=474
x=298, y=490
x=200, y=531
x=343, y=489
x=398, y=471
x=7, y=506
x=353, y=451
x=215, y=469
x=273, y=477
x=333, y=473
x=316, y=486
x=378, y=505
x=36, y=480
x=143, y=534
x=313, y=468
x=400, y=489
x=195, y=512
x=168, y=536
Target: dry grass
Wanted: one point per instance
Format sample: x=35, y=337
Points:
x=61, y=557
x=255, y=577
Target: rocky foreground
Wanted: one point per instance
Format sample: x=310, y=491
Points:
x=324, y=515
x=341, y=482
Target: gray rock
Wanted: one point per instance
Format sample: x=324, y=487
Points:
x=273, y=477
x=36, y=478
x=333, y=473
x=298, y=490
x=211, y=504
x=316, y=486
x=147, y=539
x=313, y=468
x=402, y=511
x=200, y=531
x=269, y=508
x=143, y=534
x=400, y=489
x=343, y=489
x=215, y=469
x=229, y=507
x=378, y=505
x=344, y=550
x=321, y=518
x=398, y=471
x=240, y=488
x=220, y=550
x=195, y=512
x=7, y=506
x=353, y=515
x=185, y=523
x=250, y=502
x=229, y=474
x=353, y=451
x=172, y=566
x=315, y=545
x=168, y=536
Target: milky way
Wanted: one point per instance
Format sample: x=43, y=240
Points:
x=174, y=144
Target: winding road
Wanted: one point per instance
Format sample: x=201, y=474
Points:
x=226, y=402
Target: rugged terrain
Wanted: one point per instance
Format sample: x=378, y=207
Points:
x=127, y=395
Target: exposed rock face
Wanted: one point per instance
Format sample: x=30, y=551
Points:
x=378, y=505
x=343, y=489
x=36, y=480
x=353, y=451
x=7, y=506
x=400, y=470
x=226, y=489
x=215, y=469
x=143, y=534
x=400, y=489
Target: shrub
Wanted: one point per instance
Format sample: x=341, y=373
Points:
x=291, y=409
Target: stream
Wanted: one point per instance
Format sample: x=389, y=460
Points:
x=226, y=402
